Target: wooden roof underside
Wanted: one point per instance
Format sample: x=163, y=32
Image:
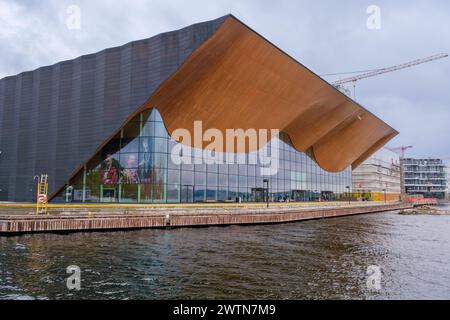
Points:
x=237, y=79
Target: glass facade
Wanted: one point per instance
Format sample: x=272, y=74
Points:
x=136, y=167
x=427, y=177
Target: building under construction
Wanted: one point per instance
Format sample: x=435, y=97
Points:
x=379, y=177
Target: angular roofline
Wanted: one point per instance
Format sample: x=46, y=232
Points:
x=224, y=17
x=336, y=93
x=130, y=43
x=308, y=69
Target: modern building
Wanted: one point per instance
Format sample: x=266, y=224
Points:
x=427, y=177
x=137, y=166
x=378, y=177
x=102, y=125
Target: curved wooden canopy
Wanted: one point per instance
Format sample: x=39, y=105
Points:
x=238, y=79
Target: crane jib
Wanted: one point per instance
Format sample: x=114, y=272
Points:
x=389, y=69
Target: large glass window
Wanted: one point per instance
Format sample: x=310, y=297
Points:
x=187, y=177
x=200, y=178
x=129, y=193
x=173, y=193
x=211, y=179
x=136, y=166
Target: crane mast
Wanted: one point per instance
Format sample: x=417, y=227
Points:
x=401, y=152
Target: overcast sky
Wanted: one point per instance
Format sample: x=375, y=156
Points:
x=326, y=36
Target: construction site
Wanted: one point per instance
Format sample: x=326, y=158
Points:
x=388, y=175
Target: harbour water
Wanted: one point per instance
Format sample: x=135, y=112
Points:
x=318, y=259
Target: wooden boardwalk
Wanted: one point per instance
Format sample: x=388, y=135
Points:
x=19, y=220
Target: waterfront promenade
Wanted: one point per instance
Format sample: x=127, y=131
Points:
x=21, y=218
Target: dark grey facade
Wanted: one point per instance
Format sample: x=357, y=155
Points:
x=54, y=118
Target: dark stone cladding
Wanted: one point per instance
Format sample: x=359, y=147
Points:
x=54, y=118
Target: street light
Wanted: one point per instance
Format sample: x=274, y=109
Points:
x=35, y=187
x=267, y=191
x=348, y=193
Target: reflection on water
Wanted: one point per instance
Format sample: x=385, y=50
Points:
x=322, y=259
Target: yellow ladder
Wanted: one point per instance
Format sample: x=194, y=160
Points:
x=42, y=195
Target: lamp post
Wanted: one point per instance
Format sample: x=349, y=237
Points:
x=348, y=193
x=266, y=181
x=36, y=182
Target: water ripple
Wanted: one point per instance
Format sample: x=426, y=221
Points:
x=322, y=259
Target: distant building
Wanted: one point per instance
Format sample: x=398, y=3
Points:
x=427, y=177
x=378, y=176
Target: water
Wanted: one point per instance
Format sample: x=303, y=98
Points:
x=321, y=259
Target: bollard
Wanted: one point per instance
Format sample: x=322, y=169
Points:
x=167, y=221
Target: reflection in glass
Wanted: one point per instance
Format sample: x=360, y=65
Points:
x=129, y=145
x=173, y=193
x=129, y=193
x=110, y=170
